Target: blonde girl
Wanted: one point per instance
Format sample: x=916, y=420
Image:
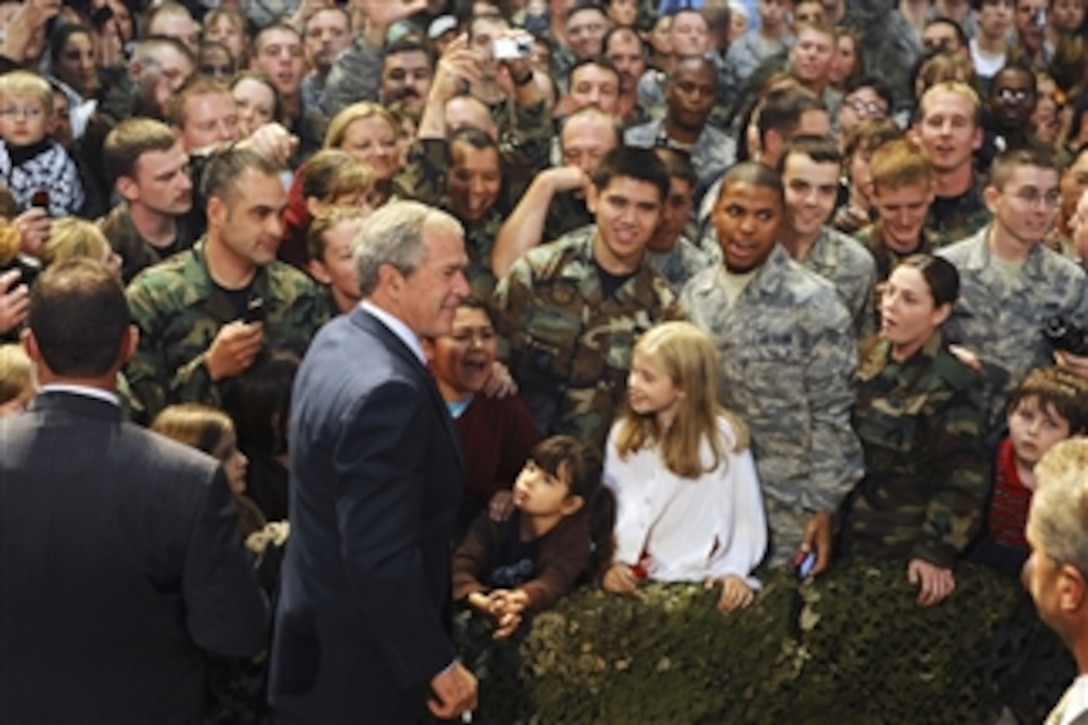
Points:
x=689, y=506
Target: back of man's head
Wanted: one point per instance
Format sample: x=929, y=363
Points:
x=782, y=110
x=78, y=318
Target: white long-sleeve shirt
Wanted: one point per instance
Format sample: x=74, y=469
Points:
x=689, y=528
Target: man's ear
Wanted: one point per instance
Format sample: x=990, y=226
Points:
x=217, y=211
x=592, y=196
x=989, y=196
x=129, y=343
x=1071, y=588
x=30, y=344
x=128, y=188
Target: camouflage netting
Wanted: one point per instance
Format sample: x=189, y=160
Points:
x=853, y=647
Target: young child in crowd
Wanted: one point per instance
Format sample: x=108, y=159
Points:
x=212, y=431
x=37, y=169
x=1050, y=405
x=330, y=242
x=561, y=524
x=689, y=506
x=16, y=379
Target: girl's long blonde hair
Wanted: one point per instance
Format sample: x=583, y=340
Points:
x=687, y=356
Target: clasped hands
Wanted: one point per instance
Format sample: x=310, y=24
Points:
x=504, y=606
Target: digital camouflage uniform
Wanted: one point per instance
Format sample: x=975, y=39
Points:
x=745, y=55
x=927, y=473
x=788, y=356
x=570, y=348
x=136, y=252
x=890, y=48
x=845, y=263
x=712, y=154
x=178, y=311
x=681, y=264
x=1001, y=319
x=951, y=220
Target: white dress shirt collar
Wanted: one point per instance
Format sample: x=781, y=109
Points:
x=398, y=328
x=98, y=393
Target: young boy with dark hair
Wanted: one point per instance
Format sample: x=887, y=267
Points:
x=1049, y=405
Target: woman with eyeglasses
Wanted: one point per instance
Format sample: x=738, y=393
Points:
x=496, y=433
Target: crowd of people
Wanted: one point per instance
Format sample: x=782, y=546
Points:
x=478, y=301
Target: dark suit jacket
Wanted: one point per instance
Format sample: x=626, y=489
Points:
x=376, y=477
x=121, y=561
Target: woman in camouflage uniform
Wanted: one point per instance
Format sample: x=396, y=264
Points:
x=920, y=418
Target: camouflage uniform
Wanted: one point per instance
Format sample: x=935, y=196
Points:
x=525, y=139
x=651, y=92
x=567, y=213
x=922, y=425
x=788, y=355
x=850, y=268
x=563, y=61
x=135, y=251
x=679, y=265
x=179, y=310
x=1000, y=319
x=712, y=154
x=570, y=347
x=953, y=219
x=745, y=55
x=356, y=75
x=872, y=238
x=889, y=45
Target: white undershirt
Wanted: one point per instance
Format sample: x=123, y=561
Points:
x=1078, y=701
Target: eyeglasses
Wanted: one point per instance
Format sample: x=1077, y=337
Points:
x=216, y=70
x=1014, y=94
x=868, y=109
x=1032, y=197
x=29, y=113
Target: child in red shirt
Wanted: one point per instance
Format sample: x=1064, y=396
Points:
x=1050, y=405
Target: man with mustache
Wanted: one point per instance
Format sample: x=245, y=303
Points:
x=370, y=70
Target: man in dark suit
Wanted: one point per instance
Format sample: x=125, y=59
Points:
x=362, y=627
x=121, y=558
